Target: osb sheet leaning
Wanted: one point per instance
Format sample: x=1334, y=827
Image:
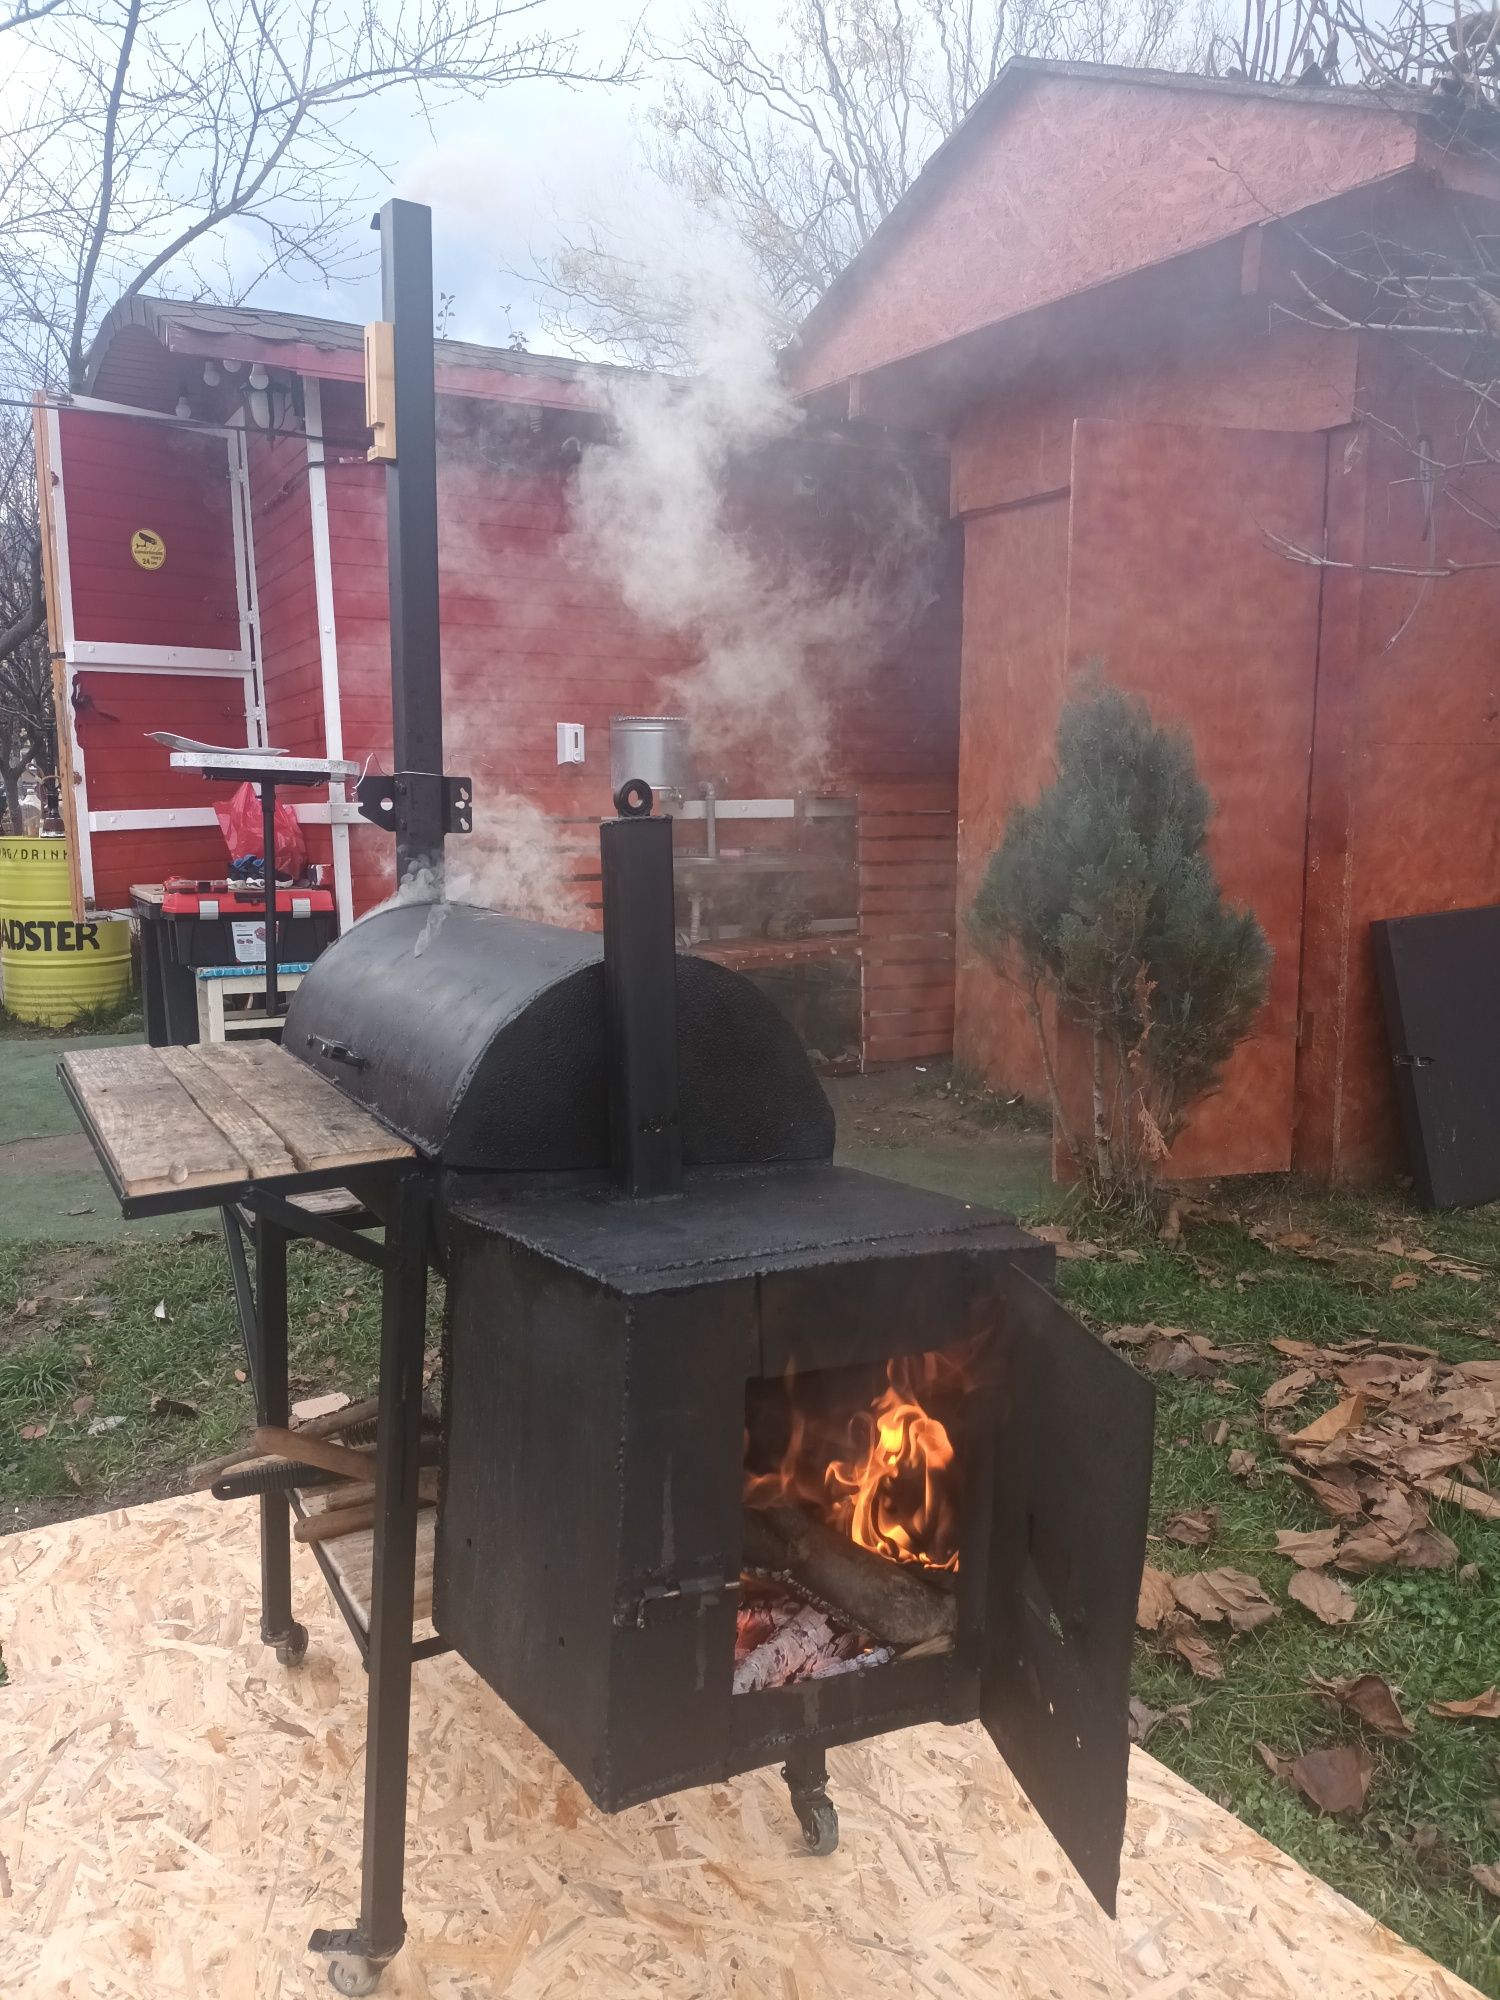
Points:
x=177, y=1813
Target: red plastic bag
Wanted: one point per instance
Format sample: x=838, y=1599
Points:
x=240, y=823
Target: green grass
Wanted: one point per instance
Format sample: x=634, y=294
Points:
x=1430, y=1634
x=121, y=1018
x=109, y=1345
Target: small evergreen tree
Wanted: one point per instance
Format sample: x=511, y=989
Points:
x=1103, y=893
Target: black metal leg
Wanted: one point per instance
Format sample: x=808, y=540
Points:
x=806, y=1774
x=359, y=1954
x=268, y=1373
x=268, y=841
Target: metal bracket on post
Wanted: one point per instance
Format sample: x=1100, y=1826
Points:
x=395, y=802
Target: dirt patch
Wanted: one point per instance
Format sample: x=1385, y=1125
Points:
x=69, y=1151
x=62, y=1275
x=23, y=1514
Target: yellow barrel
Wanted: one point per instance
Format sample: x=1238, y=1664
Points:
x=51, y=969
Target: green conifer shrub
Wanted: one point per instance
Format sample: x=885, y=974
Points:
x=1102, y=893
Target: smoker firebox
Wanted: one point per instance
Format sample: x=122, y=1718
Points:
x=590, y=1535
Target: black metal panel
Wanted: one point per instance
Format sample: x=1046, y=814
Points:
x=1072, y=1482
x=640, y=1003
x=1440, y=984
x=480, y=1038
x=753, y=1223
x=527, y=1553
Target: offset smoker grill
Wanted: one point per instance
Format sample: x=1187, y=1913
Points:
x=663, y=1302
x=602, y=1352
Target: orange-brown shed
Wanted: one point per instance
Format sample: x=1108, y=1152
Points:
x=1101, y=294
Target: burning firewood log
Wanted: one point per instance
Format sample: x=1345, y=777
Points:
x=894, y=1601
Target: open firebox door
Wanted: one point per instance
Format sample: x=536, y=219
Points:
x=1072, y=1488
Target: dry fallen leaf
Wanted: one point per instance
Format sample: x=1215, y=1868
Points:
x=1323, y=1595
x=1195, y=1530
x=1405, y=1281
x=1370, y=1698
x=1217, y=1594
x=1244, y=1465
x=1289, y=1389
x=1144, y=1719
x=1344, y=1416
x=1193, y=1649
x=1335, y=1780
x=1309, y=1548
x=1156, y=1601
x=31, y=1432
x=1335, y=1489
x=1487, y=1875
x=1216, y=1432
x=1472, y=1498
x=1478, y=1707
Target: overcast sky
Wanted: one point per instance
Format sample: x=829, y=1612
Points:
x=503, y=176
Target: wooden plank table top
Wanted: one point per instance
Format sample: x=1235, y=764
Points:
x=195, y=1127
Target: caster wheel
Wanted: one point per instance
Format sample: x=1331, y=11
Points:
x=350, y=1974
x=291, y=1652
x=820, y=1827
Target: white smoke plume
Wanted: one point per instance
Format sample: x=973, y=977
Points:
x=777, y=634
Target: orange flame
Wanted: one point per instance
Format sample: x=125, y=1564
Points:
x=888, y=1480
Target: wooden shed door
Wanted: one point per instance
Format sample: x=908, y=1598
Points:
x=152, y=615
x=1176, y=591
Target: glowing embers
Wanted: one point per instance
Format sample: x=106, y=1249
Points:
x=852, y=1510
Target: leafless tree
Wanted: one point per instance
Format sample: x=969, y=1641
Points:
x=1438, y=46
x=205, y=143
x=804, y=135
x=27, y=732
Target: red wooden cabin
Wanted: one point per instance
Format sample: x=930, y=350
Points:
x=1098, y=296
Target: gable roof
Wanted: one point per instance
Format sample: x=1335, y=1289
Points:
x=1065, y=175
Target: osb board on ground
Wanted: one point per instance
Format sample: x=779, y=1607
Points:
x=177, y=1813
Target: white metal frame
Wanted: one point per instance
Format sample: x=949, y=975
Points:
x=328, y=645
x=102, y=656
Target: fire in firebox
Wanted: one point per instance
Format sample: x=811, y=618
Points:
x=852, y=1498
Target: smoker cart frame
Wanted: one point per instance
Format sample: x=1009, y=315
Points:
x=261, y=1218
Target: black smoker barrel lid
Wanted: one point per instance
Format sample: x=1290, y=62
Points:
x=480, y=1038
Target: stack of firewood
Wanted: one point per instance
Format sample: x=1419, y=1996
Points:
x=330, y=1457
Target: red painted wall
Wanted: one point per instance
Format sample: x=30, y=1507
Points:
x=1406, y=801
x=120, y=474
x=116, y=712
x=291, y=662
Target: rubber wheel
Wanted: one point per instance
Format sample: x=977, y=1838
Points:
x=291, y=1652
x=349, y=1974
x=820, y=1828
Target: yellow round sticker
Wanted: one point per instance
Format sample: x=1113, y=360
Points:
x=148, y=548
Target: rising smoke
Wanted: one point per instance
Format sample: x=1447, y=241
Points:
x=778, y=634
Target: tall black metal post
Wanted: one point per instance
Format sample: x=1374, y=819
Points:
x=412, y=538
x=268, y=869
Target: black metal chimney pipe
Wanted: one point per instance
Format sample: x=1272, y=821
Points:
x=640, y=995
x=412, y=539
